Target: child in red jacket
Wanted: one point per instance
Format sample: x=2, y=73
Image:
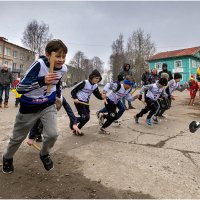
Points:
x=193, y=88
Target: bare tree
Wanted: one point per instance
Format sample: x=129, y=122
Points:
x=36, y=36
x=78, y=60
x=139, y=48
x=97, y=63
x=73, y=76
x=117, y=58
x=87, y=67
x=82, y=64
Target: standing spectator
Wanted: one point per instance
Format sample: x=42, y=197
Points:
x=164, y=69
x=5, y=82
x=126, y=70
x=17, y=96
x=154, y=76
x=145, y=77
x=193, y=89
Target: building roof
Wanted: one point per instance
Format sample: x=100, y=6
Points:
x=176, y=53
x=6, y=41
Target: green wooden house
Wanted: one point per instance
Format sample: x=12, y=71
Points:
x=184, y=61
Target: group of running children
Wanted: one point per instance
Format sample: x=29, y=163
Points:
x=38, y=108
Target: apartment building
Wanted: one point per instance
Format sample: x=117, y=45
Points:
x=16, y=57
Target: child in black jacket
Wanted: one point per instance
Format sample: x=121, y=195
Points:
x=154, y=91
x=81, y=95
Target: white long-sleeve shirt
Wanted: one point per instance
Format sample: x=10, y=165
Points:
x=117, y=92
x=154, y=92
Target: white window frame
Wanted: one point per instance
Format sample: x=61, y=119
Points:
x=175, y=64
x=21, y=67
x=14, y=54
x=14, y=65
x=194, y=64
x=158, y=65
x=7, y=51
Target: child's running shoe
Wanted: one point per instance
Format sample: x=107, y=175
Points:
x=103, y=131
x=47, y=162
x=155, y=119
x=148, y=121
x=136, y=119
x=8, y=167
x=117, y=122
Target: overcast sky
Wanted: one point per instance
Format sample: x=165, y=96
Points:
x=91, y=27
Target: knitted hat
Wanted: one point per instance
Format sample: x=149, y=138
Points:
x=163, y=81
x=95, y=73
x=177, y=76
x=165, y=75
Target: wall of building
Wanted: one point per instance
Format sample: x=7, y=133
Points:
x=189, y=65
x=17, y=58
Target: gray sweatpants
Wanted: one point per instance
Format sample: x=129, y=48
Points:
x=23, y=124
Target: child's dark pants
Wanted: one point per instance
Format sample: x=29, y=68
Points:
x=84, y=112
x=151, y=106
x=112, y=114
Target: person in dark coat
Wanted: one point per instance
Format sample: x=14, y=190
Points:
x=164, y=69
x=145, y=77
x=6, y=81
x=126, y=70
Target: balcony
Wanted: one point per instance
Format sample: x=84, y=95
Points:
x=17, y=70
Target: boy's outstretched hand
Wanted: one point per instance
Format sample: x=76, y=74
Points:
x=76, y=129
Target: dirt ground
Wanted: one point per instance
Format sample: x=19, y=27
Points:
x=135, y=161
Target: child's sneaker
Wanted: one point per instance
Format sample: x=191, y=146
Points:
x=47, y=162
x=148, y=121
x=5, y=105
x=131, y=107
x=161, y=116
x=103, y=131
x=117, y=122
x=155, y=119
x=8, y=167
x=136, y=119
